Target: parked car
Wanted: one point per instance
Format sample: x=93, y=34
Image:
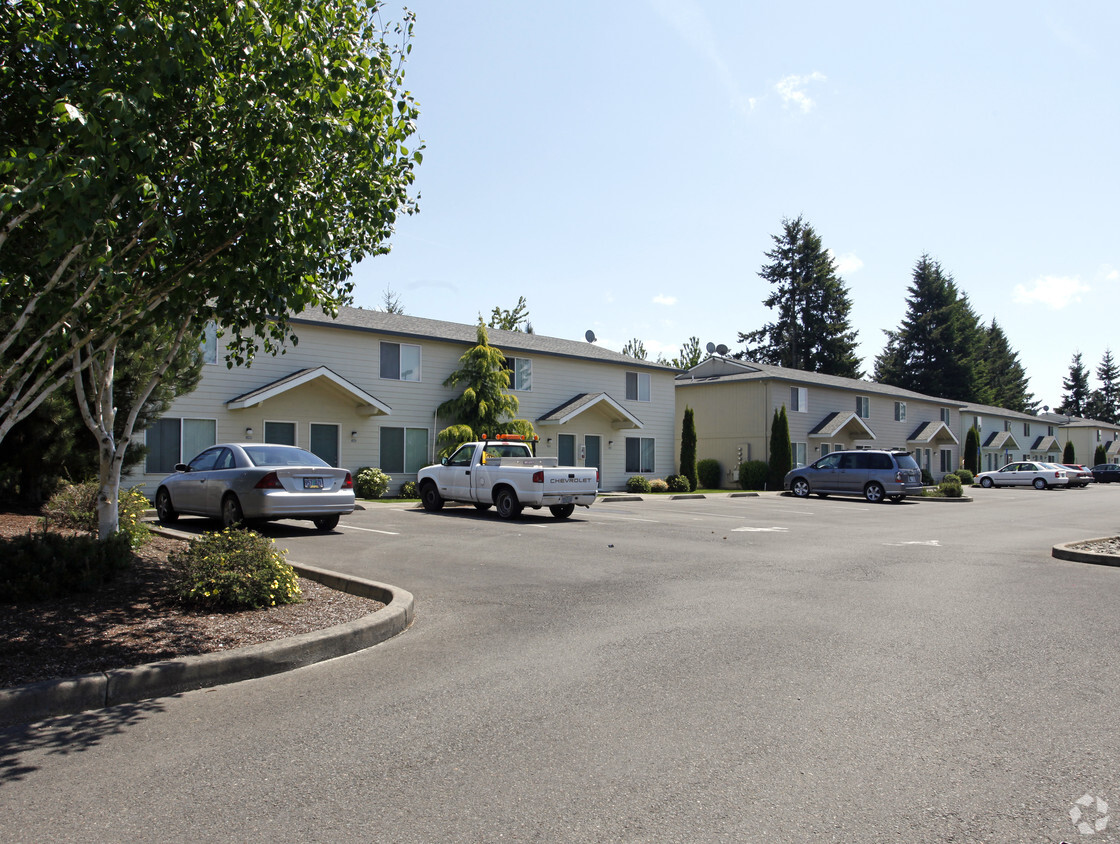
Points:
x=238, y=482
x=1079, y=475
x=1026, y=473
x=872, y=473
x=1107, y=473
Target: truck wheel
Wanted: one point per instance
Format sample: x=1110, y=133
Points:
x=508, y=506
x=562, y=511
x=430, y=497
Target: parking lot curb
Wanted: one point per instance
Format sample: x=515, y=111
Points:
x=606, y=499
x=50, y=698
x=1066, y=551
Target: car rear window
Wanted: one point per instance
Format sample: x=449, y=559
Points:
x=881, y=461
x=905, y=461
x=282, y=455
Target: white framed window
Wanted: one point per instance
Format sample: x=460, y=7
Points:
x=639, y=454
x=863, y=407
x=520, y=373
x=1049, y=430
x=946, y=416
x=403, y=450
x=1006, y=426
x=172, y=439
x=800, y=453
x=400, y=361
x=900, y=411
x=978, y=421
x=281, y=433
x=825, y=449
x=799, y=399
x=1026, y=429
x=637, y=386
x=946, y=460
x=210, y=343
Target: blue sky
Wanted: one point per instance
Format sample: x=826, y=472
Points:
x=623, y=165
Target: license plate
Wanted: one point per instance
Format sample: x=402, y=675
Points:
x=567, y=499
x=312, y=483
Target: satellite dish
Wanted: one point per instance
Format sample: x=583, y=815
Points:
x=711, y=347
x=722, y=349
x=589, y=336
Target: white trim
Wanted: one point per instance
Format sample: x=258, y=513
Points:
x=368, y=405
x=618, y=423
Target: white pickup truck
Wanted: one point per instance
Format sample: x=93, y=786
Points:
x=505, y=473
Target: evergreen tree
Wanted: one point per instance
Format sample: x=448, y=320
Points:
x=1100, y=455
x=688, y=448
x=690, y=355
x=781, y=452
x=1075, y=400
x=1069, y=454
x=972, y=450
x=937, y=348
x=1004, y=380
x=484, y=407
x=1106, y=399
x=514, y=320
x=812, y=331
x=635, y=348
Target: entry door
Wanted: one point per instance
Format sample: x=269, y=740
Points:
x=593, y=448
x=567, y=452
x=324, y=442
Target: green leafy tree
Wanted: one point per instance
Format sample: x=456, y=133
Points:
x=1075, y=400
x=635, y=348
x=688, y=447
x=1004, y=381
x=972, y=450
x=812, y=330
x=511, y=320
x=168, y=164
x=1069, y=454
x=937, y=348
x=781, y=450
x=484, y=408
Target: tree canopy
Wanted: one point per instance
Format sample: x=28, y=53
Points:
x=1075, y=399
x=515, y=319
x=1104, y=402
x=812, y=330
x=1003, y=380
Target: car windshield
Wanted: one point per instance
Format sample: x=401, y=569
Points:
x=281, y=455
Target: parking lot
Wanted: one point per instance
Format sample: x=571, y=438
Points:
x=740, y=669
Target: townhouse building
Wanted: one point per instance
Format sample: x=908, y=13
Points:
x=1086, y=435
x=1007, y=435
x=363, y=389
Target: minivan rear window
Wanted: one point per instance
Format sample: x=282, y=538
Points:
x=905, y=461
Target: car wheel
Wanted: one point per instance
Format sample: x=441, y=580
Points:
x=326, y=522
x=164, y=508
x=430, y=497
x=507, y=504
x=987, y=483
x=562, y=511
x=1039, y=483
x=800, y=487
x=482, y=508
x=231, y=512
x=873, y=492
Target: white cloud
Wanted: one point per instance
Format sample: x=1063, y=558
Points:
x=1111, y=275
x=1053, y=291
x=792, y=90
x=664, y=300
x=847, y=263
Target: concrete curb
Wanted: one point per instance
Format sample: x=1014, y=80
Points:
x=47, y=699
x=1065, y=551
x=964, y=499
x=607, y=499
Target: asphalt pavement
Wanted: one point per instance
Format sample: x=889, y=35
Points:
x=726, y=669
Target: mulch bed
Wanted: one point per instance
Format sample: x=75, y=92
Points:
x=136, y=619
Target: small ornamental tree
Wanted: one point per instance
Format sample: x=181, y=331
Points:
x=972, y=450
x=688, y=448
x=781, y=453
x=1069, y=455
x=484, y=407
x=1100, y=455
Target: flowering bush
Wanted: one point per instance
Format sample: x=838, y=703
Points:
x=370, y=482
x=233, y=570
x=658, y=485
x=74, y=507
x=408, y=490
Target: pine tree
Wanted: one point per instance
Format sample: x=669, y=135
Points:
x=937, y=348
x=972, y=450
x=1075, y=400
x=1107, y=397
x=1069, y=453
x=781, y=452
x=812, y=331
x=635, y=349
x=1004, y=381
x=688, y=447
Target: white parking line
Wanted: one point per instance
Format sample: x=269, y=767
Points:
x=760, y=529
x=931, y=542
x=603, y=515
x=371, y=530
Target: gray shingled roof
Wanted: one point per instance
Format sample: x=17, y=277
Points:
x=1046, y=443
x=929, y=432
x=510, y=342
x=1001, y=439
x=837, y=421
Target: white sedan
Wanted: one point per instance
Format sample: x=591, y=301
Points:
x=1026, y=473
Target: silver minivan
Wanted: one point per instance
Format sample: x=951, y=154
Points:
x=875, y=474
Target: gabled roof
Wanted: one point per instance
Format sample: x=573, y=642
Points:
x=933, y=432
x=1046, y=443
x=1113, y=448
x=366, y=404
x=619, y=416
x=839, y=420
x=1001, y=440
x=509, y=342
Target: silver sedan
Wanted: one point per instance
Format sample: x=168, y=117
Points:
x=238, y=482
x=1028, y=473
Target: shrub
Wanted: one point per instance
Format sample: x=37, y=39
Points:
x=637, y=483
x=370, y=482
x=408, y=490
x=950, y=487
x=38, y=566
x=753, y=474
x=678, y=483
x=658, y=485
x=967, y=478
x=709, y=473
x=74, y=507
x=130, y=511
x=233, y=570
